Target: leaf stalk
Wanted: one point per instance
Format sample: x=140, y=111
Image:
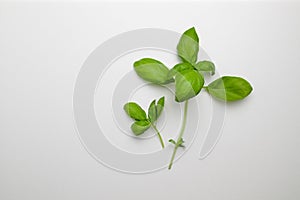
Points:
x=159, y=135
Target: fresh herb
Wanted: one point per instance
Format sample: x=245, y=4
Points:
x=189, y=81
x=142, y=121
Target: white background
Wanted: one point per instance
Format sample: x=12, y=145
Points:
x=42, y=47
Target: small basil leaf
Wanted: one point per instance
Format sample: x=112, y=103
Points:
x=179, y=68
x=135, y=111
x=188, y=46
x=205, y=66
x=160, y=106
x=140, y=127
x=152, y=113
x=188, y=84
x=229, y=88
x=180, y=143
x=172, y=141
x=152, y=70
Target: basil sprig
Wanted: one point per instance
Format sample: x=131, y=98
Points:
x=142, y=122
x=189, y=81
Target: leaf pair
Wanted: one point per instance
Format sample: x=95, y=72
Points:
x=155, y=110
x=142, y=122
x=179, y=143
x=188, y=49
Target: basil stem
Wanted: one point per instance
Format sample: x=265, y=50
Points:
x=180, y=134
x=159, y=136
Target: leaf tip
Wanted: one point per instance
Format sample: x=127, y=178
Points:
x=125, y=107
x=161, y=100
x=192, y=33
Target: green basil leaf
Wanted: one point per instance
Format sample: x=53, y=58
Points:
x=172, y=141
x=140, y=127
x=188, y=46
x=229, y=88
x=155, y=110
x=160, y=106
x=152, y=70
x=188, y=84
x=135, y=111
x=179, y=68
x=180, y=143
x=206, y=66
x=152, y=112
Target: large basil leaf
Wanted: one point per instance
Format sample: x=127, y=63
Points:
x=205, y=66
x=179, y=68
x=188, y=46
x=152, y=70
x=229, y=88
x=188, y=84
x=140, y=127
x=135, y=111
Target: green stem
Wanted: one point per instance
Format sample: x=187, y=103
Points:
x=159, y=136
x=173, y=157
x=180, y=134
